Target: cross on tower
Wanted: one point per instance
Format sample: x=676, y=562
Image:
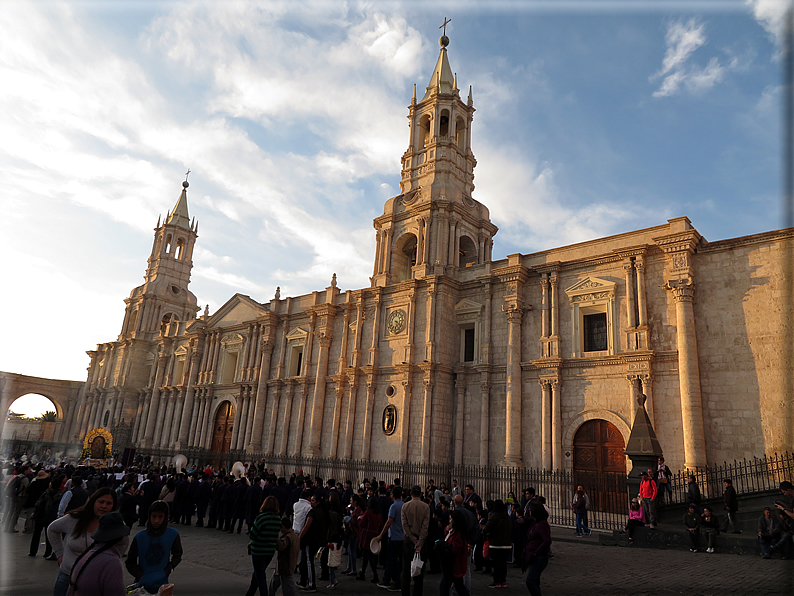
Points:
x=444, y=26
x=187, y=174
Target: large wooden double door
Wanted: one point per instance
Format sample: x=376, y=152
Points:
x=599, y=465
x=223, y=428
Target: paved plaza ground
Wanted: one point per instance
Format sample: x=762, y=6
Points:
x=215, y=563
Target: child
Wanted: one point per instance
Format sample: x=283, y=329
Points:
x=335, y=537
x=148, y=570
x=288, y=548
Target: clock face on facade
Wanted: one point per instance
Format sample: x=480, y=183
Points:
x=396, y=321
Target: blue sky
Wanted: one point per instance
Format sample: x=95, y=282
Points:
x=593, y=118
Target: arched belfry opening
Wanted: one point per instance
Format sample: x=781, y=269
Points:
x=468, y=252
x=403, y=257
x=460, y=133
x=424, y=132
x=443, y=124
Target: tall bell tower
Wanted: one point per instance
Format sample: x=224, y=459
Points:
x=164, y=298
x=434, y=226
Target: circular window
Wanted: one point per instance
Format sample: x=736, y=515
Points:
x=390, y=390
x=175, y=289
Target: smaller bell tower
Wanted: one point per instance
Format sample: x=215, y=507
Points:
x=164, y=299
x=434, y=226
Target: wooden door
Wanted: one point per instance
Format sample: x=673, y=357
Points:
x=599, y=465
x=223, y=428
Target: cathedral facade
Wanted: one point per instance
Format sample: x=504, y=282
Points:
x=450, y=356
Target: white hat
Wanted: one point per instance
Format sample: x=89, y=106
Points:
x=374, y=546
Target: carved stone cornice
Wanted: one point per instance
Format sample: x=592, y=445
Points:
x=631, y=251
x=685, y=241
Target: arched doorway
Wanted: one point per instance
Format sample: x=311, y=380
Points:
x=223, y=427
x=599, y=465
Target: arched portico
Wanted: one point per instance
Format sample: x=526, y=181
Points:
x=65, y=395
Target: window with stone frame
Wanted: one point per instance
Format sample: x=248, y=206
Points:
x=468, y=314
x=592, y=317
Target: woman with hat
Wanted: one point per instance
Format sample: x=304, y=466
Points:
x=98, y=569
x=76, y=527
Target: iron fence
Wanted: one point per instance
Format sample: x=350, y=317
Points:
x=748, y=476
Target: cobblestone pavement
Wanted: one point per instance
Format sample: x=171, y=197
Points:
x=215, y=563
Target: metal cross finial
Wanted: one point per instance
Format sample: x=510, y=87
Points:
x=444, y=26
x=187, y=174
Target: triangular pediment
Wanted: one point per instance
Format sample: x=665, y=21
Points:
x=181, y=350
x=238, y=309
x=467, y=306
x=297, y=333
x=590, y=285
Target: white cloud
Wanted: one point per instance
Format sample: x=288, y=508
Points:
x=683, y=39
x=770, y=14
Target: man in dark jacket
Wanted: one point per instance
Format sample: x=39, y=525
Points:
x=216, y=504
x=731, y=507
x=203, y=498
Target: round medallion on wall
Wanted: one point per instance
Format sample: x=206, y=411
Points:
x=389, y=419
x=396, y=321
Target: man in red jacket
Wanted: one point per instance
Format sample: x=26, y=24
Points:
x=648, y=493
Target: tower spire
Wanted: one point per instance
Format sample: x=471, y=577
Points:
x=179, y=215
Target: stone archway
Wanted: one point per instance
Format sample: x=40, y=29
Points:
x=65, y=395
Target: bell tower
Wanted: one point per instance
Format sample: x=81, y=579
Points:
x=434, y=226
x=164, y=299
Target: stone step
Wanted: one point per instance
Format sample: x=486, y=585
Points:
x=675, y=538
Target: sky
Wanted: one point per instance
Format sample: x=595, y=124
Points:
x=593, y=118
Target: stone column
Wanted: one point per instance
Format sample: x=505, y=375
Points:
x=186, y=422
x=451, y=250
x=556, y=426
x=546, y=424
x=238, y=414
x=485, y=421
x=378, y=242
x=339, y=392
x=350, y=420
x=260, y=401
x=284, y=441
x=554, y=347
x=365, y=446
x=420, y=242
x=628, y=267
x=154, y=404
x=304, y=395
x=172, y=399
x=512, y=456
x=207, y=423
x=387, y=252
x=195, y=424
x=426, y=243
x=318, y=400
x=642, y=311
x=158, y=427
x=405, y=420
x=544, y=316
x=688, y=374
x=460, y=394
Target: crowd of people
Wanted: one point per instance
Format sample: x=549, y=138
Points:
x=391, y=535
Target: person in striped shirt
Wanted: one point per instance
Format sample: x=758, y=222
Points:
x=264, y=535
